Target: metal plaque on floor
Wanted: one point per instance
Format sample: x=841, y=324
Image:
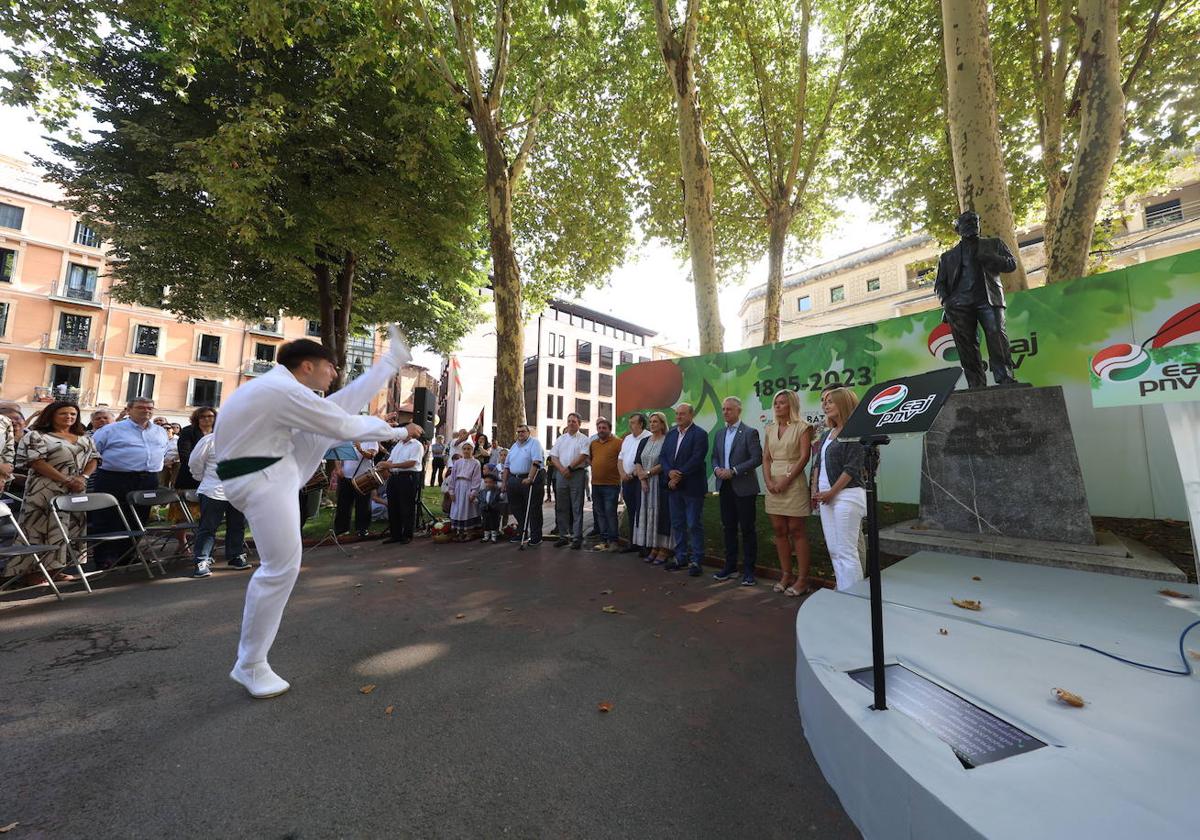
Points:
x=976, y=736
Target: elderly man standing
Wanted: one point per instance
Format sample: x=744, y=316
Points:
x=569, y=457
x=405, y=465
x=684, y=458
x=604, y=455
x=524, y=479
x=631, y=486
x=736, y=456
x=131, y=458
x=101, y=417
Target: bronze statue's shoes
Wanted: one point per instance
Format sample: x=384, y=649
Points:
x=259, y=680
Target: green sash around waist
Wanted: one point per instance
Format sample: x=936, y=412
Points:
x=235, y=467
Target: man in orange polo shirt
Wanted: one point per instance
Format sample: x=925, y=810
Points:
x=604, y=453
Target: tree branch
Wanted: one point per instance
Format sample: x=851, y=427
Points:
x=464, y=37
x=1143, y=51
x=738, y=152
x=500, y=54
x=835, y=92
x=764, y=105
x=518, y=164
x=801, y=100
x=437, y=60
x=691, y=27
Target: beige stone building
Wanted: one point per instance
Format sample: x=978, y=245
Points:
x=896, y=277
x=63, y=335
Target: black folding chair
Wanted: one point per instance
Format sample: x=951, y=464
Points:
x=19, y=546
x=162, y=531
x=90, y=503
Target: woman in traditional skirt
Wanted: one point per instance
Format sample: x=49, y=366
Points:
x=648, y=533
x=466, y=476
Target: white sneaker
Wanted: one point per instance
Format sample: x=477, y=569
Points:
x=203, y=569
x=259, y=680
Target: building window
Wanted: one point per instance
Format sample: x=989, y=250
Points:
x=4, y=319
x=68, y=375
x=210, y=349
x=360, y=354
x=559, y=415
x=837, y=293
x=8, y=262
x=549, y=405
x=550, y=375
x=1164, y=213
x=873, y=284
x=583, y=352
x=606, y=383
x=141, y=385
x=583, y=380
x=3, y=366
x=81, y=282
x=562, y=376
x=549, y=436
x=626, y=357
x=145, y=340
x=11, y=216
x=85, y=236
x=643, y=359
x=264, y=353
x=584, y=409
x=606, y=357
x=804, y=303
x=74, y=331
x=606, y=411
x=552, y=343
x=312, y=328
x=206, y=392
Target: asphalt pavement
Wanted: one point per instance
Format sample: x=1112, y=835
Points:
x=489, y=667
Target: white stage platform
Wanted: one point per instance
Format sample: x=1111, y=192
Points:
x=1126, y=765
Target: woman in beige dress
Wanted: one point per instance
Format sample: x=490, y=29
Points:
x=787, y=444
x=60, y=457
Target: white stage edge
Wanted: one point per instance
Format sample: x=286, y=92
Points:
x=1124, y=766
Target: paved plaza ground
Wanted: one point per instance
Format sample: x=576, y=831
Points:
x=118, y=719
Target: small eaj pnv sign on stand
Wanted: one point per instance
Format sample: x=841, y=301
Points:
x=905, y=406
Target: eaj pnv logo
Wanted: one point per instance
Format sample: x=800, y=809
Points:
x=941, y=344
x=1120, y=362
x=888, y=399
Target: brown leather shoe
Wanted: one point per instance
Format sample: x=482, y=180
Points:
x=63, y=577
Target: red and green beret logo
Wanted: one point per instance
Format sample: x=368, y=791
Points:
x=1120, y=362
x=1181, y=328
x=941, y=344
x=888, y=399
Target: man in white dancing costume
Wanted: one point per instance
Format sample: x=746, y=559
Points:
x=269, y=439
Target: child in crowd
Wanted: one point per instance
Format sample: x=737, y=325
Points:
x=489, y=507
x=465, y=480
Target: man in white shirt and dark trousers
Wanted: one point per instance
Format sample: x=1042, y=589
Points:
x=348, y=497
x=569, y=457
x=631, y=487
x=406, y=467
x=269, y=439
x=523, y=477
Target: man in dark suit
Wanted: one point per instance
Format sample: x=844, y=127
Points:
x=736, y=456
x=684, y=463
x=968, y=285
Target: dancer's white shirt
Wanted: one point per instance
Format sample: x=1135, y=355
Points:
x=203, y=466
x=262, y=417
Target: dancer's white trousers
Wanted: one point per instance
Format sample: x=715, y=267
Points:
x=841, y=523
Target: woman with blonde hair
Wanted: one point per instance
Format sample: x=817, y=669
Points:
x=787, y=444
x=838, y=488
x=653, y=528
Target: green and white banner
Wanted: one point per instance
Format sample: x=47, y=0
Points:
x=1129, y=374
x=1128, y=462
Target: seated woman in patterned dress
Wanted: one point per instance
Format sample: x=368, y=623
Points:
x=59, y=457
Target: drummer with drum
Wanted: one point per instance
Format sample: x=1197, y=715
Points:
x=352, y=467
x=404, y=468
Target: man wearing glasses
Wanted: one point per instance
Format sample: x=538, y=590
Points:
x=524, y=478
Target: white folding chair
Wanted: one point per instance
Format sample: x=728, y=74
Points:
x=21, y=547
x=90, y=503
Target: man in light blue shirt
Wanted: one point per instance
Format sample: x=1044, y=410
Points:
x=131, y=457
x=525, y=477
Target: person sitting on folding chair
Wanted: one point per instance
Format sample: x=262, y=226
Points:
x=60, y=457
x=269, y=439
x=214, y=508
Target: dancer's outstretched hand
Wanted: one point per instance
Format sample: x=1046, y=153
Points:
x=398, y=346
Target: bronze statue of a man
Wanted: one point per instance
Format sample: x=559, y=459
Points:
x=968, y=285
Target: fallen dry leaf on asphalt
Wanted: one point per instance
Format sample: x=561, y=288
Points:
x=357, y=585
x=605, y=591
x=611, y=610
x=508, y=609
x=942, y=631
x=1069, y=697
x=605, y=707
x=1195, y=654
x=7, y=828
x=976, y=577
x=1171, y=593
x=389, y=710
x=967, y=604
x=461, y=615
x=367, y=689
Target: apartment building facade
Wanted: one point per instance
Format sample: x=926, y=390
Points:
x=63, y=335
x=896, y=278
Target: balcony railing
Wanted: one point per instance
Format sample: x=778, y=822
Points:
x=269, y=326
x=50, y=393
x=256, y=367
x=1172, y=213
x=68, y=343
x=74, y=292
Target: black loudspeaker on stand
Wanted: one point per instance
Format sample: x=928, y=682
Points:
x=425, y=410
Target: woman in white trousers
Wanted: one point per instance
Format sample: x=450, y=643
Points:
x=838, y=491
x=269, y=439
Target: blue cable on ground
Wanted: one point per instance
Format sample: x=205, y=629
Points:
x=1187, y=666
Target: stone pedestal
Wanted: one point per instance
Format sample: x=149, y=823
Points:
x=1000, y=478
x=1002, y=462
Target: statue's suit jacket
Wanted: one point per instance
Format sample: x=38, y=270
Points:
x=994, y=259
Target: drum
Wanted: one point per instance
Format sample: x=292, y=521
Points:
x=368, y=482
x=319, y=481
